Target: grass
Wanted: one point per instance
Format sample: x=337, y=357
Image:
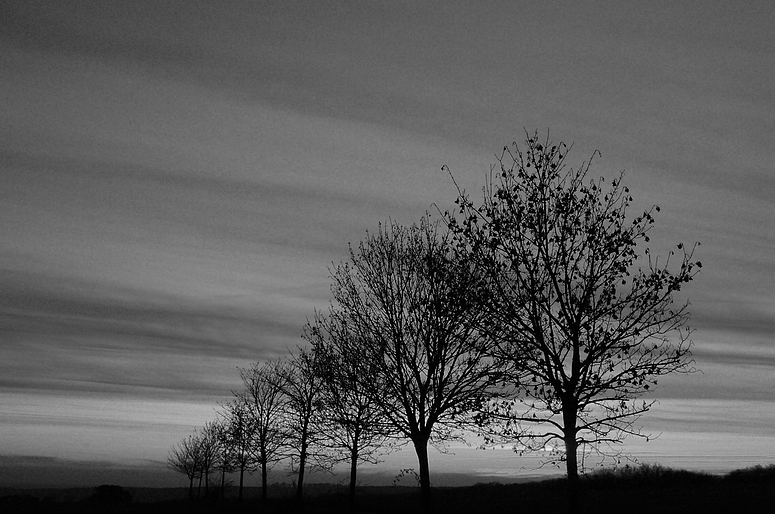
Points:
x=647, y=488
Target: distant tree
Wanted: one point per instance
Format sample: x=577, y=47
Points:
x=585, y=316
x=209, y=451
x=355, y=427
x=411, y=306
x=237, y=434
x=303, y=389
x=225, y=461
x=185, y=457
x=110, y=494
x=265, y=400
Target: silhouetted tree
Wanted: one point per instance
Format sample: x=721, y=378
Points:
x=265, y=399
x=238, y=435
x=110, y=494
x=226, y=461
x=585, y=314
x=303, y=389
x=185, y=457
x=209, y=450
x=410, y=304
x=355, y=427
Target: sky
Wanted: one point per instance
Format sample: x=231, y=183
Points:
x=177, y=177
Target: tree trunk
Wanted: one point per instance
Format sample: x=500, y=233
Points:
x=302, y=464
x=191, y=488
x=264, y=471
x=353, y=475
x=571, y=458
x=241, y=479
x=223, y=480
x=421, y=448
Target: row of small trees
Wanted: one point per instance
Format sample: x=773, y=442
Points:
x=304, y=410
x=536, y=315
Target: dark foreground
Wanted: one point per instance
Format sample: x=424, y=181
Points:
x=645, y=489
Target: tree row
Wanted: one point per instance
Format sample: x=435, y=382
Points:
x=535, y=316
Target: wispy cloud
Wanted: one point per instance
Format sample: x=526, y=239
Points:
x=177, y=178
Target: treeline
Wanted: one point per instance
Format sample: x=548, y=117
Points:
x=536, y=316
x=295, y=410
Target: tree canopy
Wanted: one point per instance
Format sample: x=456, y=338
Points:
x=586, y=315
x=411, y=305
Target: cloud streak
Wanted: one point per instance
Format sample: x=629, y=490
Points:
x=177, y=178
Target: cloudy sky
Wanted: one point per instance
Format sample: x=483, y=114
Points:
x=177, y=176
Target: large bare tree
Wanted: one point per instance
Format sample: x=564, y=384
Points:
x=410, y=304
x=585, y=311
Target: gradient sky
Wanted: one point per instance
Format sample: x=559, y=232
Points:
x=177, y=176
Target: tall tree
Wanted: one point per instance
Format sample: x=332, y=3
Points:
x=265, y=399
x=303, y=389
x=586, y=314
x=411, y=305
x=356, y=428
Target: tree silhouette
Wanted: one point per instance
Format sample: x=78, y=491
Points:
x=585, y=316
x=410, y=305
x=186, y=457
x=302, y=386
x=265, y=400
x=209, y=451
x=225, y=461
x=355, y=427
x=238, y=433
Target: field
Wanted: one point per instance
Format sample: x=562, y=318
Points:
x=644, y=489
